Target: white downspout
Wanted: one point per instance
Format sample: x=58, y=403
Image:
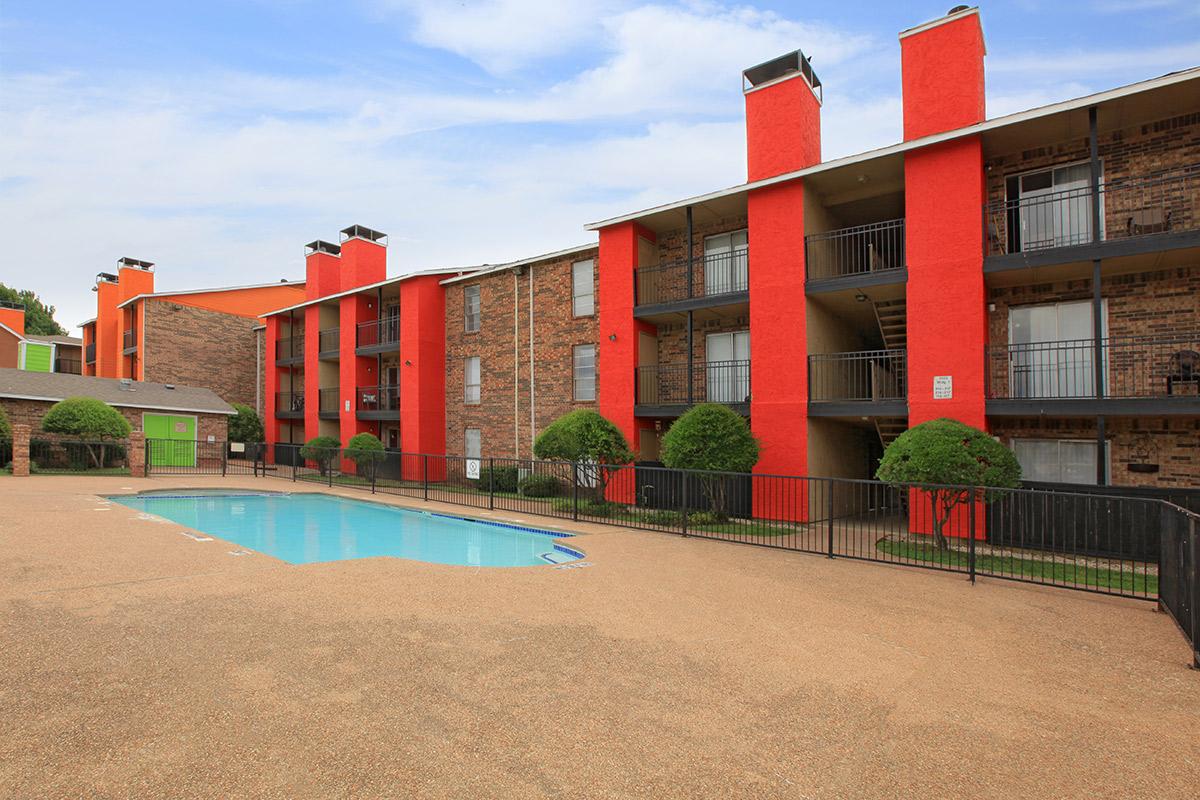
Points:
x=516, y=366
x=532, y=395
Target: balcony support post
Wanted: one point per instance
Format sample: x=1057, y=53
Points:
x=691, y=327
x=1097, y=297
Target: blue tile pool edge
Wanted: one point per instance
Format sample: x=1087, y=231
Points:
x=578, y=554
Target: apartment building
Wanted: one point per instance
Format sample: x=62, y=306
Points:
x=200, y=337
x=35, y=352
x=522, y=340
x=1037, y=275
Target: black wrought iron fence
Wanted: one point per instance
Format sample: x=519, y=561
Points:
x=1179, y=572
x=709, y=275
x=290, y=347
x=48, y=456
x=327, y=341
x=5, y=453
x=864, y=375
x=378, y=332
x=194, y=457
x=378, y=398
x=711, y=382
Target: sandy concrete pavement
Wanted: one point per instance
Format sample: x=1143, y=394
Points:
x=139, y=662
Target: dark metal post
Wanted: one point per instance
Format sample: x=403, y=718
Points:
x=691, y=326
x=683, y=510
x=491, y=483
x=329, y=471
x=224, y=458
x=1097, y=296
x=1193, y=575
x=690, y=279
x=971, y=543
x=146, y=457
x=829, y=512
x=424, y=473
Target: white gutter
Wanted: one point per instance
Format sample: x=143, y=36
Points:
x=489, y=269
x=122, y=405
x=903, y=147
x=365, y=287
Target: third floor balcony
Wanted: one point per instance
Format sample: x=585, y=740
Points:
x=377, y=336
x=863, y=255
x=129, y=341
x=89, y=353
x=328, y=341
x=290, y=349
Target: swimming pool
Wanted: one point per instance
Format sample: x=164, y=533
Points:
x=307, y=528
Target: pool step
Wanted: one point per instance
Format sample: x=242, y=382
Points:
x=557, y=557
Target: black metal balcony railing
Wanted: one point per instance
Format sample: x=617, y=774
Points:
x=712, y=382
x=129, y=340
x=378, y=331
x=327, y=340
x=89, y=353
x=863, y=375
x=290, y=347
x=1132, y=367
x=853, y=251
x=328, y=400
x=1165, y=202
x=378, y=398
x=711, y=275
x=289, y=402
x=69, y=366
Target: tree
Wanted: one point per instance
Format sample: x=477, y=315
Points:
x=963, y=461
x=88, y=419
x=712, y=438
x=366, y=451
x=323, y=450
x=590, y=440
x=245, y=426
x=5, y=427
x=39, y=317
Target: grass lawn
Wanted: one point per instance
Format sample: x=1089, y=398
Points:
x=1061, y=572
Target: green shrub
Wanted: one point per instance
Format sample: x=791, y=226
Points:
x=497, y=479
x=90, y=420
x=5, y=428
x=585, y=436
x=660, y=516
x=711, y=437
x=587, y=507
x=245, y=426
x=321, y=449
x=367, y=452
x=536, y=485
x=946, y=451
x=703, y=518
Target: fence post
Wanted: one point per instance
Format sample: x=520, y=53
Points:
x=425, y=474
x=683, y=502
x=829, y=513
x=224, y=458
x=329, y=471
x=292, y=458
x=1194, y=552
x=574, y=490
x=146, y=457
x=971, y=535
x=491, y=483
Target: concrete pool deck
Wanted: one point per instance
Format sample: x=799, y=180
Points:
x=140, y=662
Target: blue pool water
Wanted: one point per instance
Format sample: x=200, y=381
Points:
x=306, y=528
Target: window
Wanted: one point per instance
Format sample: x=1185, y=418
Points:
x=1051, y=352
x=1058, y=460
x=585, y=371
x=474, y=443
x=583, y=292
x=471, y=308
x=471, y=380
x=726, y=263
x=1051, y=208
x=727, y=357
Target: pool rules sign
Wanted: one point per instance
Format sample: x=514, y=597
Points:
x=943, y=387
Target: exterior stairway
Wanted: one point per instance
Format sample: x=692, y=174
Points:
x=892, y=317
x=889, y=428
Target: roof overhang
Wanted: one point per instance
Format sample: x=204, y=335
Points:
x=147, y=407
x=488, y=270
x=366, y=288
x=1127, y=101
x=151, y=295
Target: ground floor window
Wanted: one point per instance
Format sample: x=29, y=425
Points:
x=1058, y=460
x=585, y=372
x=473, y=450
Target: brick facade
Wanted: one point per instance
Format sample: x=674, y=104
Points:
x=1170, y=443
x=503, y=413
x=197, y=347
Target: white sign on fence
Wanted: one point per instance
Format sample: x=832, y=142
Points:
x=237, y=447
x=473, y=469
x=943, y=387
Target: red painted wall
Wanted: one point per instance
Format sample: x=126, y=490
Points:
x=363, y=263
x=250, y=302
x=942, y=77
x=618, y=357
x=422, y=367
x=778, y=338
x=354, y=371
x=14, y=319
x=108, y=337
x=322, y=275
x=783, y=128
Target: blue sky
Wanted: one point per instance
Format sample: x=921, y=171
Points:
x=216, y=138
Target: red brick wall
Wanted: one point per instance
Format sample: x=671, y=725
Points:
x=196, y=347
x=1173, y=444
x=504, y=422
x=672, y=249
x=30, y=412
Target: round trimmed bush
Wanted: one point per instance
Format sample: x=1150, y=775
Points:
x=539, y=486
x=86, y=418
x=322, y=450
x=245, y=426
x=366, y=451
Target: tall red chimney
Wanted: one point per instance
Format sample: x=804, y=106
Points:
x=941, y=68
x=783, y=116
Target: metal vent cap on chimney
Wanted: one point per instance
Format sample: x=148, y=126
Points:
x=321, y=246
x=781, y=67
x=363, y=232
x=134, y=263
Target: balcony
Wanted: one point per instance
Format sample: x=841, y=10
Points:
x=327, y=344
x=129, y=342
x=714, y=279
x=662, y=389
x=873, y=382
x=68, y=366
x=1143, y=214
x=1140, y=375
x=328, y=403
x=290, y=350
x=865, y=255
x=378, y=402
x=89, y=354
x=377, y=336
x=289, y=405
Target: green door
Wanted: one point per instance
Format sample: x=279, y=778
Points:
x=36, y=357
x=172, y=440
